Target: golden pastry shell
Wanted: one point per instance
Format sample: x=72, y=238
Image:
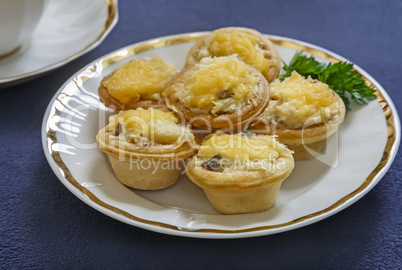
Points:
x=231, y=121
x=306, y=142
x=114, y=145
x=239, y=180
x=109, y=101
x=273, y=72
x=308, y=134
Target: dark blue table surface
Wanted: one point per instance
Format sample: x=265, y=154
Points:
x=44, y=226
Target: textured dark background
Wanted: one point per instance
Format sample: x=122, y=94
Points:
x=44, y=226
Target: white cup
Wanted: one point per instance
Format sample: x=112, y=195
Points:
x=18, y=20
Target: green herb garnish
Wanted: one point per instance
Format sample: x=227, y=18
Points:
x=340, y=77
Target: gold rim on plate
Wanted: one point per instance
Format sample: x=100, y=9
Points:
x=51, y=124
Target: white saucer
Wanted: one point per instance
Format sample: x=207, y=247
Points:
x=67, y=30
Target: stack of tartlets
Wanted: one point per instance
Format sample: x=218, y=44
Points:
x=253, y=126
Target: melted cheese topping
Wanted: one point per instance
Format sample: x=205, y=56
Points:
x=245, y=45
x=139, y=78
x=150, y=126
x=218, y=85
x=241, y=151
x=299, y=102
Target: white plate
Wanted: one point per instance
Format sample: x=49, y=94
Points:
x=67, y=30
x=367, y=142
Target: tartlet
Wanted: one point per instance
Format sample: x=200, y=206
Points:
x=303, y=113
x=247, y=44
x=136, y=84
x=146, y=148
x=218, y=93
x=240, y=173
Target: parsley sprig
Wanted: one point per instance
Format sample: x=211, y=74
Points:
x=340, y=77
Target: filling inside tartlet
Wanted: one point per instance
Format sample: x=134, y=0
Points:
x=240, y=152
x=149, y=127
x=218, y=85
x=140, y=79
x=246, y=46
x=298, y=102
